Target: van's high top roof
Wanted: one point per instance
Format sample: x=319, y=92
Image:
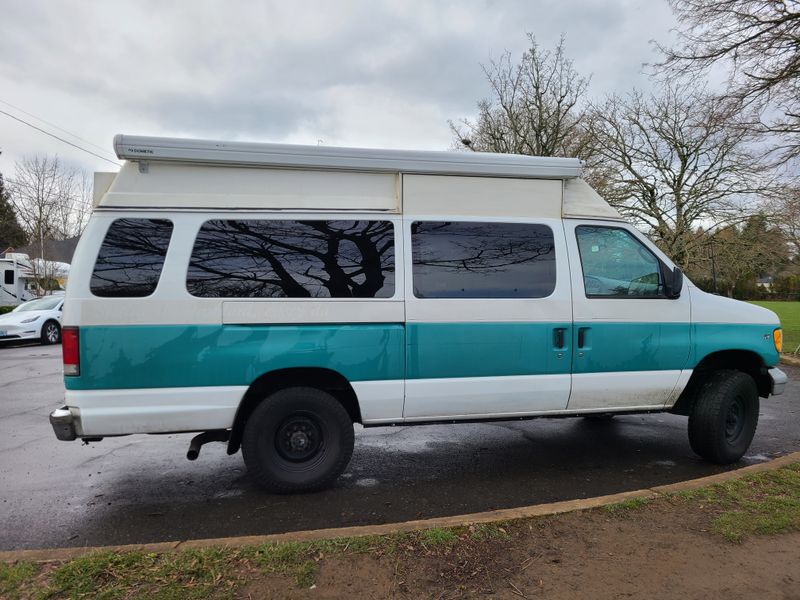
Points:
x=329, y=158
x=184, y=174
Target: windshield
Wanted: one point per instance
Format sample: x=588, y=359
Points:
x=48, y=303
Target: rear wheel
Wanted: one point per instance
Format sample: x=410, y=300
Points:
x=297, y=440
x=51, y=333
x=724, y=417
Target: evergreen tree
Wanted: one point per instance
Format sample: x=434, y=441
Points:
x=11, y=232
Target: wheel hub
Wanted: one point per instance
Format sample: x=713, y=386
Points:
x=299, y=438
x=734, y=421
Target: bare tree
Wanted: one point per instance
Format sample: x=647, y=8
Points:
x=81, y=205
x=741, y=253
x=681, y=160
x=534, y=109
x=784, y=210
x=537, y=107
x=52, y=200
x=758, y=42
x=45, y=195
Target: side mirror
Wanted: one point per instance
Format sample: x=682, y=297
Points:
x=673, y=283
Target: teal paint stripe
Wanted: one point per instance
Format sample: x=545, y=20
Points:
x=623, y=346
x=713, y=337
x=442, y=350
x=436, y=350
x=211, y=355
x=616, y=346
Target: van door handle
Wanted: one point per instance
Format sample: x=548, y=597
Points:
x=582, y=336
x=558, y=337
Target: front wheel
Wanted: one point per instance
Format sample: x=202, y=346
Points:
x=51, y=333
x=724, y=416
x=297, y=440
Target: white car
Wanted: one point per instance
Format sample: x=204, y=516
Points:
x=36, y=319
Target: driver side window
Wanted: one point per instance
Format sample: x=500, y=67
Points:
x=617, y=265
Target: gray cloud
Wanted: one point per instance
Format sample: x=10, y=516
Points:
x=359, y=73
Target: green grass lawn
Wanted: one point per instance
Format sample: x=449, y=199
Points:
x=789, y=313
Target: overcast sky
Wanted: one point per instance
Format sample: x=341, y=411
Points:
x=374, y=74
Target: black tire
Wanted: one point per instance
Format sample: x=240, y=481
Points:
x=724, y=416
x=51, y=333
x=298, y=439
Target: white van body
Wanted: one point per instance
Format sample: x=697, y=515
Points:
x=437, y=286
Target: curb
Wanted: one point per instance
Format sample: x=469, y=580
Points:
x=790, y=359
x=506, y=514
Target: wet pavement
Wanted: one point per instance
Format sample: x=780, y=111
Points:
x=142, y=489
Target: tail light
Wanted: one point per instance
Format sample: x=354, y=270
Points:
x=70, y=346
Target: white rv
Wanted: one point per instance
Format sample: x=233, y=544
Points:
x=270, y=296
x=18, y=284
x=21, y=275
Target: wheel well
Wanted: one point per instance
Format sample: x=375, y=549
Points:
x=739, y=360
x=324, y=379
x=57, y=324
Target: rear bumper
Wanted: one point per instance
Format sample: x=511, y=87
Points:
x=778, y=379
x=66, y=424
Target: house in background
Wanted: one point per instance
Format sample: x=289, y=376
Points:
x=55, y=250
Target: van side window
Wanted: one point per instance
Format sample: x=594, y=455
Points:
x=8, y=277
x=482, y=260
x=293, y=259
x=131, y=258
x=617, y=265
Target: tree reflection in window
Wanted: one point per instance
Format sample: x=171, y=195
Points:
x=131, y=258
x=482, y=260
x=293, y=259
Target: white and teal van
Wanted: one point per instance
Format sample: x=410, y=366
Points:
x=271, y=296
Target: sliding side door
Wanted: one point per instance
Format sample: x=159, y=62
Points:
x=488, y=310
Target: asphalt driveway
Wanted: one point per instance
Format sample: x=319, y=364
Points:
x=142, y=489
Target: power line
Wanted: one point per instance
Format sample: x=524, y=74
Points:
x=75, y=135
x=60, y=139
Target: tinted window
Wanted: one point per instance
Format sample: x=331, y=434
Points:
x=8, y=277
x=617, y=265
x=482, y=260
x=293, y=259
x=131, y=258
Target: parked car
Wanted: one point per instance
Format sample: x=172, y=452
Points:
x=270, y=296
x=38, y=319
